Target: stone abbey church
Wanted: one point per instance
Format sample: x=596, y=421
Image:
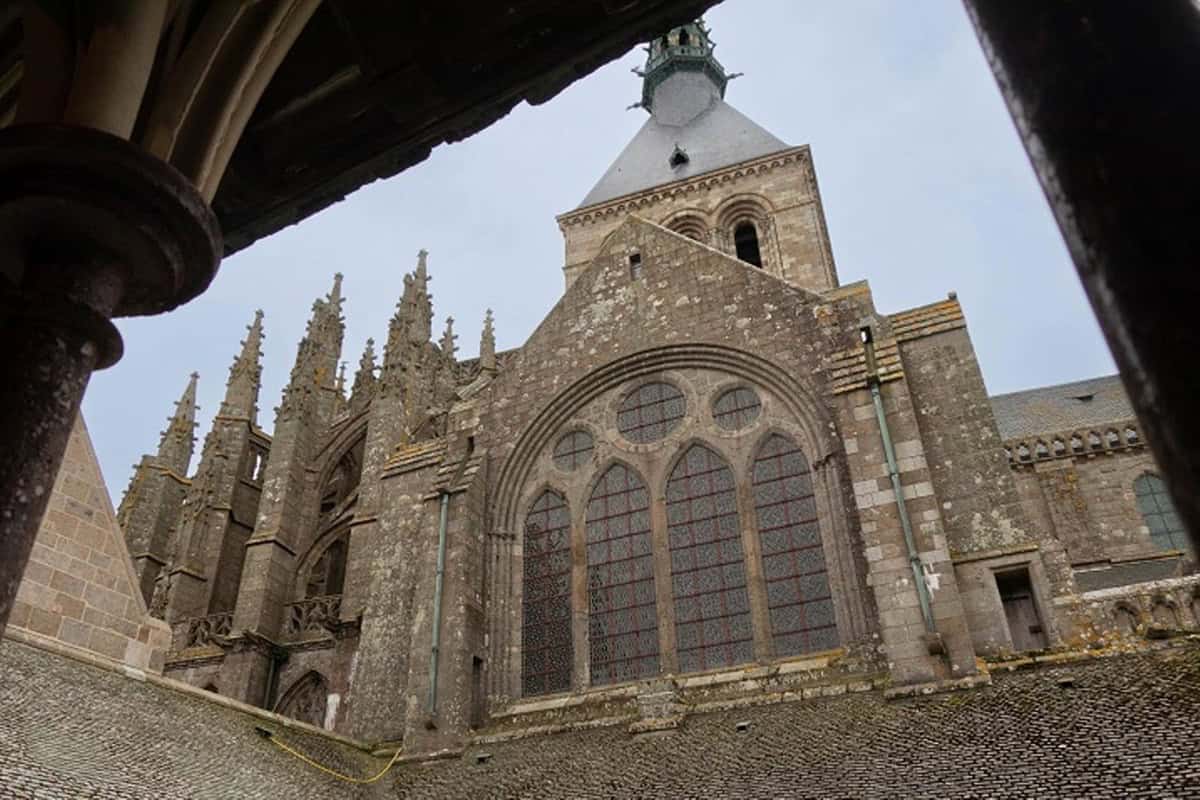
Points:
x=713, y=474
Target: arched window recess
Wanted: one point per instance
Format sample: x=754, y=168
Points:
x=343, y=480
x=745, y=243
x=327, y=575
x=1158, y=512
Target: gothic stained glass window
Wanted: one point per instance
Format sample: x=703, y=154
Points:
x=573, y=450
x=622, y=616
x=708, y=572
x=650, y=412
x=798, y=597
x=1156, y=508
x=736, y=408
x=546, y=611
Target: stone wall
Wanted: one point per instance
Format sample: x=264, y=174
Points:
x=778, y=193
x=79, y=587
x=689, y=310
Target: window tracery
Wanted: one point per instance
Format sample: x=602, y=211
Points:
x=708, y=573
x=573, y=450
x=650, y=412
x=1158, y=512
x=710, y=583
x=546, y=612
x=799, y=601
x=622, y=614
x=736, y=408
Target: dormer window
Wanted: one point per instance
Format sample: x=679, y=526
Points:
x=679, y=157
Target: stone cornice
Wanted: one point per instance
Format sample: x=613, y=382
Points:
x=630, y=203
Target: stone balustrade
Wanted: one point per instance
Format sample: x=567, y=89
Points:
x=311, y=615
x=203, y=631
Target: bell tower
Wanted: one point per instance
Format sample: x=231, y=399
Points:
x=701, y=168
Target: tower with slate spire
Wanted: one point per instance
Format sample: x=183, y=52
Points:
x=707, y=171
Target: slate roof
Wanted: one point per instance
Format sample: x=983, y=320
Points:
x=71, y=730
x=718, y=137
x=1126, y=728
x=1054, y=409
x=1118, y=727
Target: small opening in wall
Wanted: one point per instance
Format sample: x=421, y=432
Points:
x=635, y=266
x=477, y=697
x=1020, y=609
x=684, y=38
x=745, y=242
x=679, y=157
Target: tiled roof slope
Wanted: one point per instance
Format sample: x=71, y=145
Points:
x=70, y=730
x=1119, y=727
x=718, y=137
x=1054, y=409
x=1126, y=728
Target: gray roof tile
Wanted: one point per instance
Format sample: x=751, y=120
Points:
x=719, y=137
x=1122, y=727
x=1066, y=407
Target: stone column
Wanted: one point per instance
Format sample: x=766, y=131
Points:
x=91, y=227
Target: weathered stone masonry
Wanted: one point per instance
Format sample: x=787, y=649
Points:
x=677, y=492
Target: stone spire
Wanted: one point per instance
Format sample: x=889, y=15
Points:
x=487, y=344
x=447, y=344
x=421, y=303
x=241, y=391
x=364, y=379
x=339, y=391
x=412, y=323
x=175, y=446
x=317, y=357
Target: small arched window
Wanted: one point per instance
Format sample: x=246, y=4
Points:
x=546, y=651
x=745, y=243
x=622, y=613
x=708, y=571
x=799, y=601
x=1157, y=510
x=306, y=700
x=684, y=38
x=328, y=574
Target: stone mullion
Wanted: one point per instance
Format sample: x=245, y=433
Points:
x=668, y=657
x=756, y=584
x=580, y=673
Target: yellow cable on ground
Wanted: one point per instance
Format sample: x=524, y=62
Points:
x=347, y=778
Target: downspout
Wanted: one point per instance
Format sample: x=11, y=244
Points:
x=932, y=637
x=277, y=657
x=437, y=604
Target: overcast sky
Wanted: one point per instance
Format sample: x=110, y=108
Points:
x=925, y=185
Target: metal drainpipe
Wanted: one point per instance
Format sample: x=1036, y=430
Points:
x=910, y=543
x=437, y=604
x=278, y=656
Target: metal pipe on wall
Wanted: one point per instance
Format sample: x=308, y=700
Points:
x=434, y=650
x=889, y=451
